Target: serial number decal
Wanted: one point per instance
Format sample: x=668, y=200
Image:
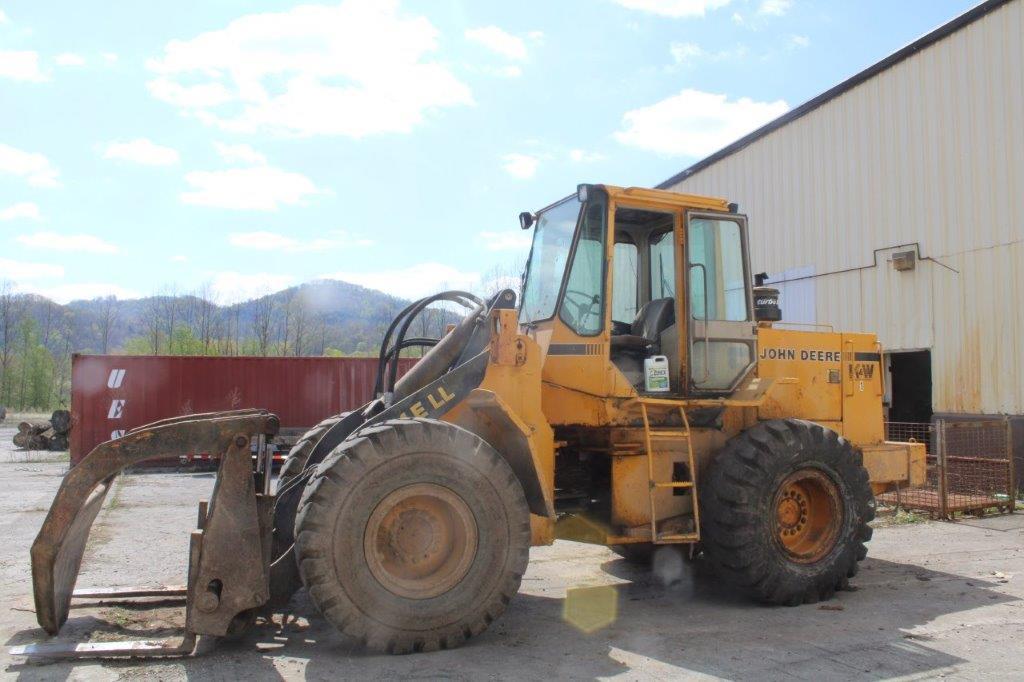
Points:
x=804, y=354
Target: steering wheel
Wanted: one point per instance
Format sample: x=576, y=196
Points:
x=585, y=307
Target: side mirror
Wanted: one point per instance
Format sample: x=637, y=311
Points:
x=525, y=220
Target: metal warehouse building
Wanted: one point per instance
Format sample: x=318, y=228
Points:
x=894, y=203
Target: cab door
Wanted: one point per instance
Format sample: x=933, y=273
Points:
x=721, y=334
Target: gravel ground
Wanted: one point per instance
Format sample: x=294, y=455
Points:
x=933, y=599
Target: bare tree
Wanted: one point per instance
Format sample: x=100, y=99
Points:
x=320, y=332
x=169, y=307
x=205, y=314
x=106, y=321
x=152, y=321
x=12, y=308
x=299, y=321
x=262, y=322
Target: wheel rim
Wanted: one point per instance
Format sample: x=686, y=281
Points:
x=420, y=541
x=808, y=515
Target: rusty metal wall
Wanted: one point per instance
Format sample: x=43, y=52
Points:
x=113, y=393
x=928, y=155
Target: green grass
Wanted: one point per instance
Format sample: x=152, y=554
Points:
x=903, y=517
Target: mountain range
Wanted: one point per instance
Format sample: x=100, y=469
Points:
x=309, y=319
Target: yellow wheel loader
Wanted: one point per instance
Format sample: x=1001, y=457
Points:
x=641, y=393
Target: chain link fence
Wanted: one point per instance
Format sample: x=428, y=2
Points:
x=970, y=467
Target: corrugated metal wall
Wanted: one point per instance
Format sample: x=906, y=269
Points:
x=114, y=393
x=928, y=152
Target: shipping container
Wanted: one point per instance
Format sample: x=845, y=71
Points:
x=111, y=394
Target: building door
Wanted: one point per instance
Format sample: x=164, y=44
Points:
x=911, y=386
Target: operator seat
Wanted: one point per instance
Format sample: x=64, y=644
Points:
x=651, y=320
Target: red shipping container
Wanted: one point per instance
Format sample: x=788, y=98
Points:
x=111, y=394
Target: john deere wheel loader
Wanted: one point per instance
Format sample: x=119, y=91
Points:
x=641, y=393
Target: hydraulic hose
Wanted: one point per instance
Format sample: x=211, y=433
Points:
x=389, y=354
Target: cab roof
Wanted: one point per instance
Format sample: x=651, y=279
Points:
x=659, y=198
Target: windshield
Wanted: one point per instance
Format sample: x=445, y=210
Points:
x=552, y=240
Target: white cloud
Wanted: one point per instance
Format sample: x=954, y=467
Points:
x=35, y=168
x=412, y=282
x=774, y=8
x=355, y=69
x=69, y=59
x=522, y=166
x=111, y=57
x=25, y=209
x=797, y=41
x=197, y=97
x=3, y=17
x=18, y=270
x=80, y=243
x=86, y=291
x=508, y=240
x=141, y=151
x=21, y=66
x=499, y=41
x=509, y=71
x=178, y=259
x=258, y=188
x=234, y=287
x=583, y=156
x=272, y=241
x=675, y=9
x=685, y=53
x=241, y=153
x=694, y=123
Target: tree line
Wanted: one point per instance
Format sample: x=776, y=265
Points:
x=38, y=336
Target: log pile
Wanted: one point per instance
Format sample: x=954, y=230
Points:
x=45, y=434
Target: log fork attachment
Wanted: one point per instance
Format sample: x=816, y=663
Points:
x=229, y=557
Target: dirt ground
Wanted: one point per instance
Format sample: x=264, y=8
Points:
x=933, y=599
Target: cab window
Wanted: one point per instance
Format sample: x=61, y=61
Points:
x=625, y=275
x=717, y=282
x=552, y=240
x=583, y=300
x=663, y=266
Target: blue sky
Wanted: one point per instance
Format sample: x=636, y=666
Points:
x=241, y=147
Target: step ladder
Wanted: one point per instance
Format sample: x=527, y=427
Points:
x=651, y=436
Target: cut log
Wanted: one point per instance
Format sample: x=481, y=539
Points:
x=21, y=439
x=33, y=426
x=61, y=421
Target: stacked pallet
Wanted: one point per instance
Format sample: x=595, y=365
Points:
x=45, y=434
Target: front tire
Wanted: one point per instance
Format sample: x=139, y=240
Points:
x=413, y=535
x=297, y=457
x=785, y=508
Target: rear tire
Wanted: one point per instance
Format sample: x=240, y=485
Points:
x=413, y=535
x=297, y=457
x=785, y=508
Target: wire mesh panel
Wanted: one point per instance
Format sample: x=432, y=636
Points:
x=976, y=463
x=911, y=432
x=969, y=467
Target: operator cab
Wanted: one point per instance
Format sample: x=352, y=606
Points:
x=613, y=271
